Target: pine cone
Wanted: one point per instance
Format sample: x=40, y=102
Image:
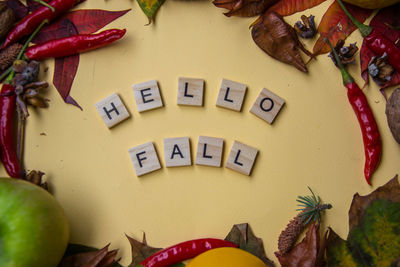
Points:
x=7, y=19
x=289, y=236
x=8, y=55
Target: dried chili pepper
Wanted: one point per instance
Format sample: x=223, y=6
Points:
x=73, y=45
x=183, y=251
x=279, y=40
x=376, y=41
x=369, y=128
x=33, y=20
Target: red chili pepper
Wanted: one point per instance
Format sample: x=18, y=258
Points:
x=73, y=45
x=8, y=149
x=376, y=41
x=366, y=119
x=33, y=20
x=183, y=251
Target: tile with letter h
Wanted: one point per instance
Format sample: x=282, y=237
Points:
x=144, y=158
x=231, y=95
x=177, y=152
x=190, y=91
x=112, y=110
x=267, y=105
x=241, y=158
x=147, y=95
x=209, y=151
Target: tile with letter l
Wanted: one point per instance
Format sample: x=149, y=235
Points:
x=112, y=110
x=209, y=151
x=190, y=91
x=177, y=152
x=231, y=95
x=147, y=95
x=267, y=105
x=144, y=158
x=241, y=158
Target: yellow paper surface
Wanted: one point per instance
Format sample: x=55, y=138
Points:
x=315, y=140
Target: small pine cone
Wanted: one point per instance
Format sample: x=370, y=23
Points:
x=289, y=236
x=8, y=55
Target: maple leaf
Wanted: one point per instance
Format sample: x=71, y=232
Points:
x=374, y=223
x=140, y=250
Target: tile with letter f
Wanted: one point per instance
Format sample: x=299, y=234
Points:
x=147, y=95
x=144, y=158
x=241, y=158
x=112, y=110
x=267, y=105
x=231, y=95
x=209, y=151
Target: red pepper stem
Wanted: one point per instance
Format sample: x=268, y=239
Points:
x=43, y=3
x=364, y=29
x=345, y=75
x=6, y=73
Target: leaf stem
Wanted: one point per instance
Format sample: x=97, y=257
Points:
x=364, y=29
x=43, y=3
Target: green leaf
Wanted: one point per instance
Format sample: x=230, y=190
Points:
x=150, y=8
x=337, y=251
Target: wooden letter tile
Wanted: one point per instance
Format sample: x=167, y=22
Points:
x=241, y=158
x=147, y=95
x=190, y=91
x=267, y=105
x=144, y=158
x=177, y=152
x=231, y=95
x=209, y=151
x=112, y=110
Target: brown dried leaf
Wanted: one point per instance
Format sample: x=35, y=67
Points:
x=242, y=235
x=97, y=258
x=244, y=8
x=140, y=250
x=393, y=114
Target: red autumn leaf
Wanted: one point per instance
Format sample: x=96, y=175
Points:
x=20, y=10
x=385, y=22
x=336, y=25
x=289, y=7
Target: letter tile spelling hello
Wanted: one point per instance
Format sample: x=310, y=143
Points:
x=177, y=152
x=241, y=158
x=209, y=151
x=144, y=158
x=112, y=110
x=231, y=95
x=267, y=105
x=190, y=91
x=147, y=95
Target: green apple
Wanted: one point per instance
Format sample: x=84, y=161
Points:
x=34, y=230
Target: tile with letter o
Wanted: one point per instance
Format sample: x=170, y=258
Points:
x=231, y=95
x=241, y=158
x=144, y=158
x=147, y=95
x=190, y=91
x=267, y=105
x=209, y=151
x=177, y=152
x=112, y=110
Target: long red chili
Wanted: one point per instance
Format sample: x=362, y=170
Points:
x=9, y=156
x=376, y=41
x=73, y=45
x=34, y=19
x=183, y=251
x=369, y=128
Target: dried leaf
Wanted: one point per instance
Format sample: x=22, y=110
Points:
x=244, y=8
x=374, y=223
x=20, y=10
x=140, y=250
x=150, y=7
x=335, y=25
x=289, y=7
x=305, y=253
x=242, y=235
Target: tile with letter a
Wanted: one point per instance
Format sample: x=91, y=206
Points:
x=241, y=158
x=267, y=105
x=209, y=151
x=177, y=152
x=147, y=95
x=190, y=91
x=144, y=158
x=112, y=110
x=231, y=95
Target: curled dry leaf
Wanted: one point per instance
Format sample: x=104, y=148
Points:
x=279, y=40
x=244, y=8
x=82, y=256
x=140, y=250
x=393, y=114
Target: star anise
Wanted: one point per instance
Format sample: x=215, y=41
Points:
x=306, y=27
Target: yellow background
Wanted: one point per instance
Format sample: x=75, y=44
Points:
x=315, y=140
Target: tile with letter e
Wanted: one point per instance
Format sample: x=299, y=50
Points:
x=144, y=158
x=112, y=110
x=177, y=152
x=231, y=95
x=190, y=91
x=241, y=158
x=209, y=151
x=267, y=105
x=147, y=95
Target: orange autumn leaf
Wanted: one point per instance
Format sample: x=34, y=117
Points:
x=289, y=7
x=336, y=25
